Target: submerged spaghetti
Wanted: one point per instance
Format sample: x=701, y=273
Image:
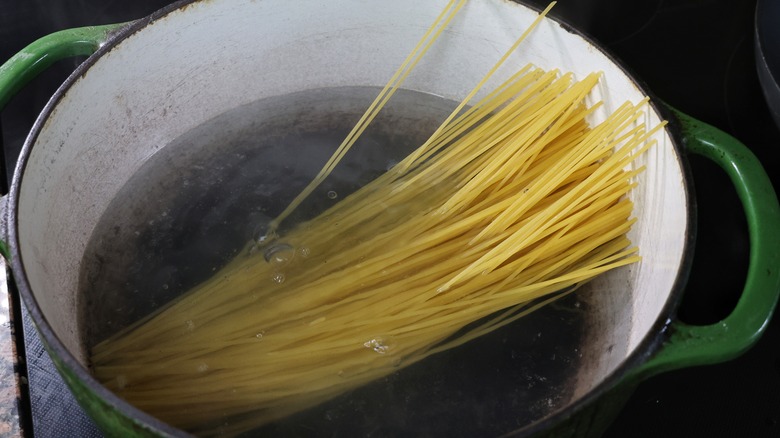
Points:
x=509, y=202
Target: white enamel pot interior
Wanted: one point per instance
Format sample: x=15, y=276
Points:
x=162, y=77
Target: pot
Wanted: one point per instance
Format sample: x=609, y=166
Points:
x=152, y=81
x=767, y=50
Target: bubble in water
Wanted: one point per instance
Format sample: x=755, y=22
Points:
x=262, y=234
x=330, y=415
x=189, y=324
x=332, y=194
x=202, y=367
x=121, y=381
x=259, y=335
x=279, y=254
x=379, y=344
x=304, y=251
x=165, y=286
x=278, y=278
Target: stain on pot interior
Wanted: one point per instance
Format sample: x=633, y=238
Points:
x=198, y=201
x=606, y=304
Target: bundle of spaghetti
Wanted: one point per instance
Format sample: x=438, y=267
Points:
x=510, y=203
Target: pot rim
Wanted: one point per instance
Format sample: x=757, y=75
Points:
x=646, y=348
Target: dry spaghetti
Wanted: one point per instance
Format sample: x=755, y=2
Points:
x=509, y=202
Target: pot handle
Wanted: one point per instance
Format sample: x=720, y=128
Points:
x=38, y=56
x=691, y=345
x=42, y=53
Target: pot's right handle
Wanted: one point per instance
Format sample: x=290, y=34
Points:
x=690, y=345
x=35, y=58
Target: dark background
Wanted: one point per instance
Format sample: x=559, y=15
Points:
x=698, y=56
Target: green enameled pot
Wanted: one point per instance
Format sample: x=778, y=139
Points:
x=149, y=82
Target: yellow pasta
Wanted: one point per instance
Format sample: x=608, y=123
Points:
x=510, y=203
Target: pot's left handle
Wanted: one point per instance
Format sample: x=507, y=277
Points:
x=42, y=53
x=35, y=58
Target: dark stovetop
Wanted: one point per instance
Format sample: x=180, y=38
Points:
x=696, y=55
